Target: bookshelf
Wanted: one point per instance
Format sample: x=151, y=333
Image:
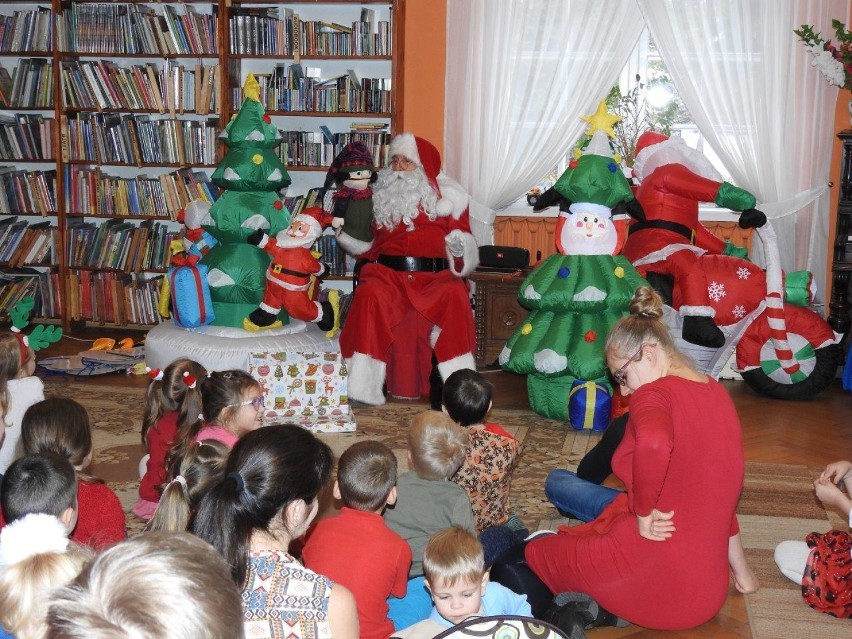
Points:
x=109, y=121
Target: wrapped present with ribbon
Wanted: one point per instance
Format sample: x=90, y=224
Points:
x=589, y=405
x=191, y=304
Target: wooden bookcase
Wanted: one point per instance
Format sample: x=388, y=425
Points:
x=85, y=197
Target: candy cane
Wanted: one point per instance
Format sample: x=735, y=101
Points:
x=775, y=301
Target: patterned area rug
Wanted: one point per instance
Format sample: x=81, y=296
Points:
x=116, y=415
x=777, y=504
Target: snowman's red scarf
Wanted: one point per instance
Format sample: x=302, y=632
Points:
x=348, y=193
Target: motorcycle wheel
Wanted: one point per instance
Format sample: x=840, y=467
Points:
x=826, y=361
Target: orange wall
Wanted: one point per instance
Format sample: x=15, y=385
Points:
x=424, y=69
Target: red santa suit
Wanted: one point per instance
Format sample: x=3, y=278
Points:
x=674, y=179
x=411, y=296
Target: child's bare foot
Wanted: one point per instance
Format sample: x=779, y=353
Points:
x=745, y=580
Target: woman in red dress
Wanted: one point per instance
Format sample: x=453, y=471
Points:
x=658, y=555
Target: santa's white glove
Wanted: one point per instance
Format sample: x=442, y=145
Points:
x=336, y=222
x=455, y=243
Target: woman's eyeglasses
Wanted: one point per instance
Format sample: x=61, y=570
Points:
x=256, y=403
x=620, y=374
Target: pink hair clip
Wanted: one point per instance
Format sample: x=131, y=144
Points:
x=154, y=373
x=189, y=380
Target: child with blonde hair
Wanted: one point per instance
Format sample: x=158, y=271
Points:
x=61, y=426
x=231, y=406
x=19, y=389
x=172, y=399
x=40, y=495
x=200, y=468
x=162, y=585
x=457, y=580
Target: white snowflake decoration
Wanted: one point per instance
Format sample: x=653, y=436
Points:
x=743, y=273
x=739, y=311
x=716, y=291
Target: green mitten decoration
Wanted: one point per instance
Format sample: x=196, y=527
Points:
x=797, y=288
x=734, y=198
x=735, y=251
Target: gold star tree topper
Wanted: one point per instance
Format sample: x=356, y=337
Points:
x=601, y=120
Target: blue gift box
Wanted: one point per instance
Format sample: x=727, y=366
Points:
x=589, y=405
x=191, y=304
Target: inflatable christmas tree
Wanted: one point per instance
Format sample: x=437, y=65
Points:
x=575, y=296
x=250, y=174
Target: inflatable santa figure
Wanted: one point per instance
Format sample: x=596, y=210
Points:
x=288, y=277
x=673, y=180
x=411, y=297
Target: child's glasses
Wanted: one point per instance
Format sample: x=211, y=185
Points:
x=620, y=374
x=256, y=403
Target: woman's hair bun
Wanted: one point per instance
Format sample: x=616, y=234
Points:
x=646, y=302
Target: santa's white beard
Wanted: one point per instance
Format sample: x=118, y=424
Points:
x=283, y=240
x=575, y=241
x=399, y=196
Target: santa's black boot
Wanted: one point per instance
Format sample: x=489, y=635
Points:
x=259, y=319
x=329, y=320
x=702, y=331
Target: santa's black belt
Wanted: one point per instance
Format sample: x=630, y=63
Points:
x=402, y=263
x=277, y=268
x=680, y=229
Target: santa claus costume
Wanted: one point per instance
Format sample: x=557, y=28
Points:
x=411, y=296
x=673, y=180
x=289, y=274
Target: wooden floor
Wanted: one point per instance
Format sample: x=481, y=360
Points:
x=813, y=432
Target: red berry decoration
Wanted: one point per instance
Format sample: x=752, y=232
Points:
x=590, y=336
x=267, y=119
x=572, y=164
x=278, y=204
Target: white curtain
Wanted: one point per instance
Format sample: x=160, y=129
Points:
x=749, y=85
x=520, y=73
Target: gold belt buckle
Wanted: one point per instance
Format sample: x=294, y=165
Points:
x=276, y=268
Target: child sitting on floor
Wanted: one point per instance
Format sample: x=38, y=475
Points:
x=171, y=400
x=491, y=454
x=378, y=568
x=19, y=389
x=39, y=496
x=201, y=467
x=822, y=564
x=62, y=427
x=232, y=405
x=457, y=579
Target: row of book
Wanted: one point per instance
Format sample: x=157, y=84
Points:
x=27, y=30
x=112, y=138
x=319, y=148
x=30, y=85
x=290, y=90
x=297, y=203
x=338, y=261
x=27, y=192
x=172, y=87
x=88, y=191
x=261, y=31
x=42, y=286
x=136, y=29
x=108, y=297
x=26, y=136
x=120, y=245
x=24, y=244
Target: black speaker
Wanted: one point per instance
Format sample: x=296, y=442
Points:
x=503, y=258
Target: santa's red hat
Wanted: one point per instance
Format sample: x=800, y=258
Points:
x=422, y=152
x=654, y=150
x=314, y=217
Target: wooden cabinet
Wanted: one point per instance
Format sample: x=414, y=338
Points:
x=841, y=265
x=497, y=312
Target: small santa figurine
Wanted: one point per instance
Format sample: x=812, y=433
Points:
x=288, y=277
x=351, y=203
x=196, y=240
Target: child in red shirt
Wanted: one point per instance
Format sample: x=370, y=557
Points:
x=170, y=399
x=491, y=454
x=356, y=548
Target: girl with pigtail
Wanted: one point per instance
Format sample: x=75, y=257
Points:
x=231, y=406
x=171, y=400
x=19, y=389
x=200, y=468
